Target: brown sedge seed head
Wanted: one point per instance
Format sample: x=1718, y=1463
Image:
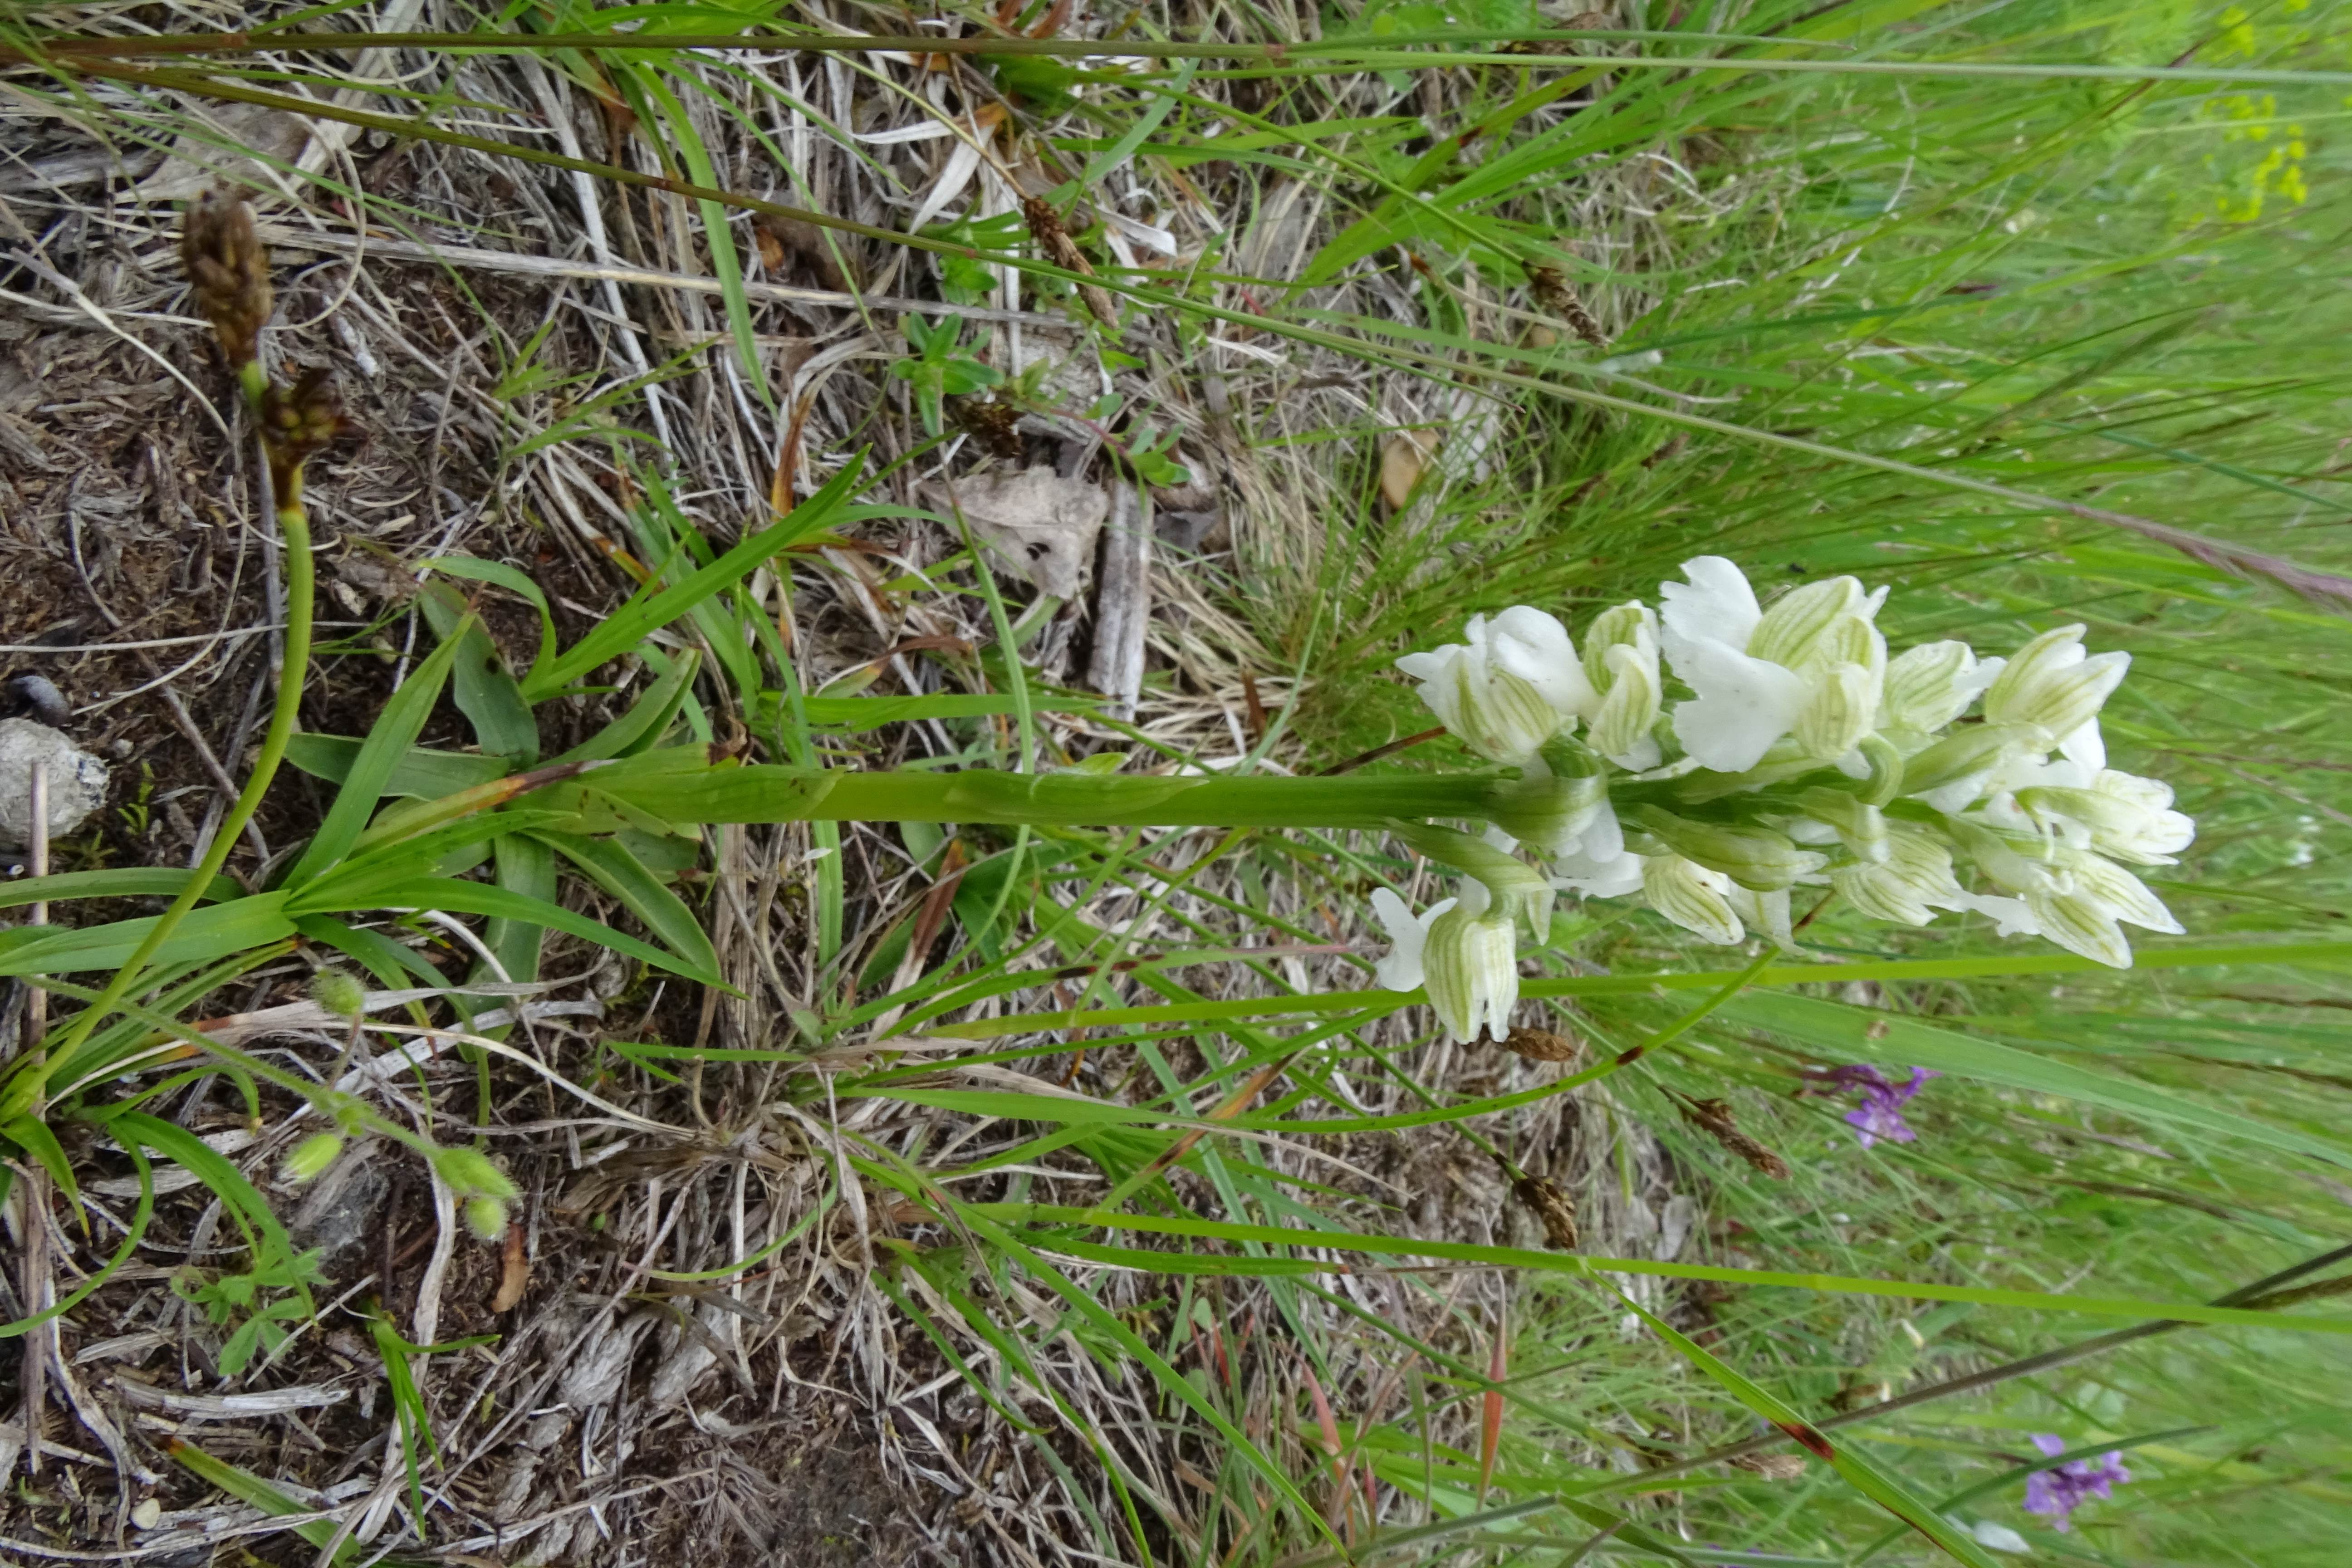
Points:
x=1714, y=1118
x=1547, y=1201
x=1542, y=1046
x=228, y=272
x=297, y=421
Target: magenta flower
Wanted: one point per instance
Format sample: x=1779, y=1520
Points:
x=2057, y=1492
x=1880, y=1115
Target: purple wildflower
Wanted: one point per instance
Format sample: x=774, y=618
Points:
x=1880, y=1115
x=2056, y=1493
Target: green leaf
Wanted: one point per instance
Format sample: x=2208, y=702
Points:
x=33, y=1135
x=524, y=867
x=2264, y=953
x=255, y=1492
x=857, y=714
x=648, y=718
x=205, y=935
x=508, y=578
x=359, y=882
x=392, y=965
x=486, y=693
x=652, y=606
x=132, y=881
x=192, y=1154
x=612, y=867
x=679, y=784
x=1378, y=1245
x=408, y=1404
x=388, y=742
x=422, y=773
x=716, y=230
x=1873, y=1036
x=449, y=894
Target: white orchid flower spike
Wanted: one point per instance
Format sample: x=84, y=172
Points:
x=1794, y=761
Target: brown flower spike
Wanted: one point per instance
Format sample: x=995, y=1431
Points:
x=1714, y=1118
x=297, y=421
x=1054, y=239
x=1548, y=1204
x=228, y=272
x=1541, y=1046
x=1551, y=289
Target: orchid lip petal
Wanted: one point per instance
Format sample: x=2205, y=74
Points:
x=1743, y=706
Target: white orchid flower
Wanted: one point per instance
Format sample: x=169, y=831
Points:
x=2053, y=683
x=1811, y=667
x=2099, y=898
x=1908, y=885
x=1400, y=969
x=1717, y=842
x=2120, y=813
x=1693, y=897
x=1462, y=950
x=1621, y=660
x=1931, y=686
x=1513, y=686
x=2071, y=897
x=1471, y=967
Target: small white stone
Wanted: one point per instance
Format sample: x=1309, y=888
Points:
x=145, y=1515
x=77, y=781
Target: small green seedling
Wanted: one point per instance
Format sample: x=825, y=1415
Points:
x=262, y=1301
x=943, y=367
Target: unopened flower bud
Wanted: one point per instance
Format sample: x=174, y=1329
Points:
x=2053, y=683
x=1860, y=826
x=1693, y=897
x=1929, y=685
x=470, y=1172
x=1839, y=712
x=1853, y=639
x=1629, y=624
x=1470, y=966
x=311, y=1157
x=486, y=1217
x=338, y=992
x=1942, y=773
x=228, y=272
x=1755, y=858
x=1629, y=703
x=1913, y=880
